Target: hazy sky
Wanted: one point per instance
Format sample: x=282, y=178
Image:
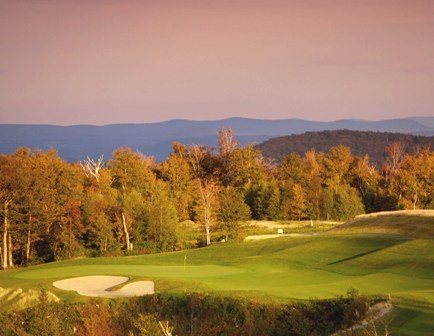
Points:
x=106, y=61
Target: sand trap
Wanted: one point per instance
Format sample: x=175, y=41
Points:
x=101, y=286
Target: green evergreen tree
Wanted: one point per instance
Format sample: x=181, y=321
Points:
x=233, y=213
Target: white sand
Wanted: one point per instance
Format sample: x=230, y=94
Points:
x=101, y=286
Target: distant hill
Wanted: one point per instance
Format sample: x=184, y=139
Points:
x=427, y=121
x=360, y=142
x=77, y=142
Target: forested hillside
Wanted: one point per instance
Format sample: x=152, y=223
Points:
x=51, y=209
x=361, y=143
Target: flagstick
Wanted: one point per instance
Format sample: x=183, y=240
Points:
x=185, y=265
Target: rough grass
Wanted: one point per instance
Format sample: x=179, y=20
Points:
x=271, y=227
x=16, y=298
x=282, y=269
x=419, y=223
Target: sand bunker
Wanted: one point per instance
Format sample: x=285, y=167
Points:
x=101, y=286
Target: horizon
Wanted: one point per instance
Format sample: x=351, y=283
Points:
x=223, y=119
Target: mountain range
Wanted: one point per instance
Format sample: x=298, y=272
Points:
x=155, y=139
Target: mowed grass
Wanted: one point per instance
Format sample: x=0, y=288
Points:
x=281, y=269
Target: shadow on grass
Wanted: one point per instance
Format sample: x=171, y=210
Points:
x=367, y=253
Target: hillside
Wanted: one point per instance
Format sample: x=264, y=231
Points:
x=155, y=139
x=360, y=142
x=408, y=223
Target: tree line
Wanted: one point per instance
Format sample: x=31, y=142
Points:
x=52, y=210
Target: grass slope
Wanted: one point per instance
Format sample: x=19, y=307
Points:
x=282, y=269
x=410, y=223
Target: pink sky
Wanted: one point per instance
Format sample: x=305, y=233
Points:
x=105, y=61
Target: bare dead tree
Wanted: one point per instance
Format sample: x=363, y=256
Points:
x=227, y=142
x=92, y=168
x=148, y=160
x=396, y=151
x=197, y=154
x=167, y=330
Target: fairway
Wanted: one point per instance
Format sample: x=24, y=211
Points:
x=279, y=269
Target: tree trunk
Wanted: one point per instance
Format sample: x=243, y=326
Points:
x=127, y=235
x=28, y=242
x=207, y=192
x=208, y=236
x=10, y=261
x=70, y=239
x=161, y=224
x=207, y=219
x=28, y=246
x=5, y=237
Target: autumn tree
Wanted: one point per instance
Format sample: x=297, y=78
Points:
x=9, y=187
x=32, y=224
x=336, y=166
x=37, y=191
x=161, y=220
x=366, y=179
x=339, y=199
x=313, y=183
x=246, y=167
x=100, y=212
x=227, y=144
x=25, y=214
x=133, y=215
x=414, y=179
x=264, y=200
x=233, y=212
x=294, y=206
x=204, y=164
x=62, y=184
x=130, y=171
x=206, y=207
x=293, y=184
x=176, y=171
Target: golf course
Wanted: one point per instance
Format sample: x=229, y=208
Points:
x=382, y=257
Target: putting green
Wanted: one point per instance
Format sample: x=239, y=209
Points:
x=145, y=271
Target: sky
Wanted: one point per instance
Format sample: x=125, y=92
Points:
x=100, y=62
